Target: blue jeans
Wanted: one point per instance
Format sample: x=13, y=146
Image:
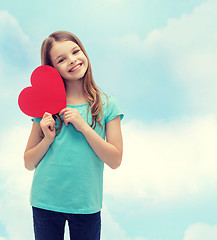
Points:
x=49, y=225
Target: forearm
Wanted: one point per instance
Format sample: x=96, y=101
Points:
x=33, y=156
x=107, y=152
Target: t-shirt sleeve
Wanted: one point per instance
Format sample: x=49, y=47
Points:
x=36, y=119
x=113, y=109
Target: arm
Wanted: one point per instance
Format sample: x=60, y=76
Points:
x=37, y=146
x=111, y=150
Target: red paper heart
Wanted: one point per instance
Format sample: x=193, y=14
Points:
x=47, y=93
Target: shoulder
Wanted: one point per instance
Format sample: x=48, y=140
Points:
x=111, y=107
x=108, y=100
x=36, y=119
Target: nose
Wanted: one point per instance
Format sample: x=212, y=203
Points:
x=72, y=59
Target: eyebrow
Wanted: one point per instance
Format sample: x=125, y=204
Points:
x=63, y=54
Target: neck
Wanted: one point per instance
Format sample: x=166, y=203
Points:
x=75, y=92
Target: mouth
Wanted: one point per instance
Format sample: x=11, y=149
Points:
x=75, y=67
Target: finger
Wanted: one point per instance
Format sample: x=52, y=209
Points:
x=52, y=125
x=46, y=114
x=49, y=122
x=48, y=126
x=63, y=111
x=68, y=114
x=67, y=119
x=51, y=128
x=48, y=118
x=66, y=122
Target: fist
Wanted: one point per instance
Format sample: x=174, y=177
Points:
x=72, y=115
x=48, y=126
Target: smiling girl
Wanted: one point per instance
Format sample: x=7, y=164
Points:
x=68, y=178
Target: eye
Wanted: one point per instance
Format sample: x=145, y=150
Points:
x=61, y=60
x=76, y=51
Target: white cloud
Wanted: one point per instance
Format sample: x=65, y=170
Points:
x=165, y=160
x=2, y=238
x=16, y=47
x=18, y=56
x=201, y=231
x=111, y=229
x=7, y=22
x=17, y=59
x=14, y=202
x=188, y=46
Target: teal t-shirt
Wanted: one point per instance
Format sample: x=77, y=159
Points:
x=69, y=178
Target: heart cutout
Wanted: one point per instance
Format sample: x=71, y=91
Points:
x=47, y=93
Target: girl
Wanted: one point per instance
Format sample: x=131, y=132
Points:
x=68, y=151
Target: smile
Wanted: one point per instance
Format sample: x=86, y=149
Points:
x=75, y=68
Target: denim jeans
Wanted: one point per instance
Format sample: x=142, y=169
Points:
x=50, y=225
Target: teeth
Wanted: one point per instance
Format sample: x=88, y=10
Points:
x=75, y=68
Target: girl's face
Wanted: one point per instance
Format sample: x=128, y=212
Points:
x=69, y=60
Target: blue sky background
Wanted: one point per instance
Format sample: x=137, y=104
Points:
x=159, y=59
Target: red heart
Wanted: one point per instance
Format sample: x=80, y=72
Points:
x=47, y=93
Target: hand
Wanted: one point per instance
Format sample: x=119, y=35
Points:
x=71, y=115
x=48, y=126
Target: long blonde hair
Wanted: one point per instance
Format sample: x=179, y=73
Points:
x=91, y=90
